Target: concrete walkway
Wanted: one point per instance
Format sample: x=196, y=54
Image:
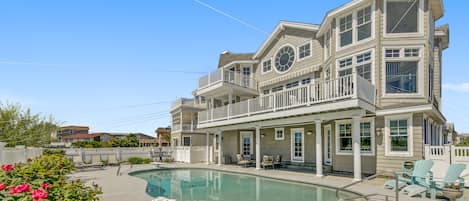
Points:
x=125, y=187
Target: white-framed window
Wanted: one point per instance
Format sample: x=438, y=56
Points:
x=403, y=71
x=355, y=27
x=186, y=140
x=304, y=51
x=306, y=81
x=344, y=137
x=398, y=135
x=360, y=63
x=279, y=133
x=292, y=84
x=266, y=91
x=267, y=66
x=403, y=17
x=345, y=30
x=431, y=78
x=328, y=43
x=327, y=73
x=276, y=89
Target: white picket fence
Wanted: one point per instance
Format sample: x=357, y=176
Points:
x=194, y=154
x=444, y=156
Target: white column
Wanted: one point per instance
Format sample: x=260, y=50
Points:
x=180, y=119
x=258, y=148
x=318, y=148
x=220, y=147
x=208, y=147
x=357, y=163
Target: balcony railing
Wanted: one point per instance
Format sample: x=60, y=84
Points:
x=184, y=127
x=228, y=77
x=186, y=102
x=346, y=87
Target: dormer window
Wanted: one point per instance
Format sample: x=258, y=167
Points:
x=402, y=16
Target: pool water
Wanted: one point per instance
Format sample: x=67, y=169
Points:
x=201, y=184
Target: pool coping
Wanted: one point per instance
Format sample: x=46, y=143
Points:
x=131, y=173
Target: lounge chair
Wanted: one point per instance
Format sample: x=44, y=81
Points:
x=278, y=161
x=435, y=187
x=419, y=174
x=267, y=161
x=241, y=161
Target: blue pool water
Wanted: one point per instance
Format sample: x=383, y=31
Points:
x=201, y=184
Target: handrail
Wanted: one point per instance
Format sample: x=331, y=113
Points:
x=369, y=195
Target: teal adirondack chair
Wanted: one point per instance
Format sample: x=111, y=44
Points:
x=419, y=174
x=435, y=186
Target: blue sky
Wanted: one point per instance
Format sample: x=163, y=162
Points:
x=117, y=65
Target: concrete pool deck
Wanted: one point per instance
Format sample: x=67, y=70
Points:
x=126, y=187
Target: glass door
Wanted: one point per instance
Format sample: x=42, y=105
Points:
x=297, y=145
x=246, y=76
x=246, y=144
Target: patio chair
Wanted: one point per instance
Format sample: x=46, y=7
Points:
x=278, y=161
x=241, y=161
x=420, y=172
x=267, y=161
x=436, y=186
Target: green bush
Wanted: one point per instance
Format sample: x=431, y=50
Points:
x=138, y=160
x=43, y=178
x=53, y=152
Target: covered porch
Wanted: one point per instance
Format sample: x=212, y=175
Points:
x=311, y=143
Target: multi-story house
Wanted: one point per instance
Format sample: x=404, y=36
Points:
x=360, y=92
x=184, y=116
x=70, y=130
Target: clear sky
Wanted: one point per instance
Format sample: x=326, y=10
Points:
x=117, y=65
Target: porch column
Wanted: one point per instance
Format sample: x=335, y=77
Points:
x=258, y=148
x=318, y=148
x=220, y=147
x=357, y=163
x=208, y=147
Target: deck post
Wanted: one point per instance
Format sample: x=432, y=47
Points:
x=258, y=147
x=318, y=148
x=357, y=164
x=208, y=147
x=220, y=147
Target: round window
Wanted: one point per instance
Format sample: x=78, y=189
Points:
x=284, y=59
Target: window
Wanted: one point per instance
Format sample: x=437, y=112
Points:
x=345, y=62
x=365, y=137
x=431, y=79
x=398, y=138
x=266, y=66
x=304, y=50
x=401, y=68
x=345, y=27
x=306, y=81
x=363, y=67
x=275, y=89
x=279, y=134
x=292, y=84
x=327, y=75
x=327, y=44
x=360, y=64
x=425, y=132
x=364, y=23
x=186, y=141
x=402, y=16
x=284, y=59
x=266, y=91
x=345, y=137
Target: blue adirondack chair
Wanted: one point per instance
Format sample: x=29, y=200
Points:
x=435, y=186
x=419, y=174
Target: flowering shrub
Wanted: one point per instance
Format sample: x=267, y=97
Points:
x=43, y=179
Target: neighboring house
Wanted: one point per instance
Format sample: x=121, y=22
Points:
x=184, y=130
x=98, y=137
x=462, y=136
x=451, y=135
x=360, y=92
x=70, y=130
x=163, y=135
x=140, y=136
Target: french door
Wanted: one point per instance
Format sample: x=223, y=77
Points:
x=297, y=145
x=246, y=76
x=327, y=145
x=246, y=143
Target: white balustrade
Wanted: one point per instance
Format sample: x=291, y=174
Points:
x=232, y=77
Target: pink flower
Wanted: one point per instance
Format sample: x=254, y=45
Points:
x=39, y=195
x=2, y=186
x=20, y=189
x=8, y=167
x=46, y=186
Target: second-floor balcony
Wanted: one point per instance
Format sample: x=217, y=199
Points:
x=345, y=92
x=184, y=127
x=219, y=80
x=186, y=102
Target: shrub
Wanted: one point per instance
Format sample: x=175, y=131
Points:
x=138, y=160
x=168, y=160
x=53, y=151
x=43, y=178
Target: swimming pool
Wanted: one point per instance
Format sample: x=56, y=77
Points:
x=204, y=184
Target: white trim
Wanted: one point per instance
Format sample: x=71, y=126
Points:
x=251, y=145
x=328, y=18
x=239, y=62
x=354, y=63
x=292, y=148
x=294, y=58
x=310, y=42
x=283, y=134
x=371, y=120
x=410, y=136
x=420, y=70
x=262, y=65
x=327, y=51
x=419, y=108
x=354, y=28
x=420, y=26
x=326, y=141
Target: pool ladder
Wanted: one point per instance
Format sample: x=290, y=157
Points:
x=366, y=197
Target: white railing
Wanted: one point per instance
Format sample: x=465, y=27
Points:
x=301, y=96
x=445, y=155
x=183, y=127
x=232, y=77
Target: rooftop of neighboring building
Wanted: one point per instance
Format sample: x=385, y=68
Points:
x=82, y=136
x=75, y=127
x=227, y=57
